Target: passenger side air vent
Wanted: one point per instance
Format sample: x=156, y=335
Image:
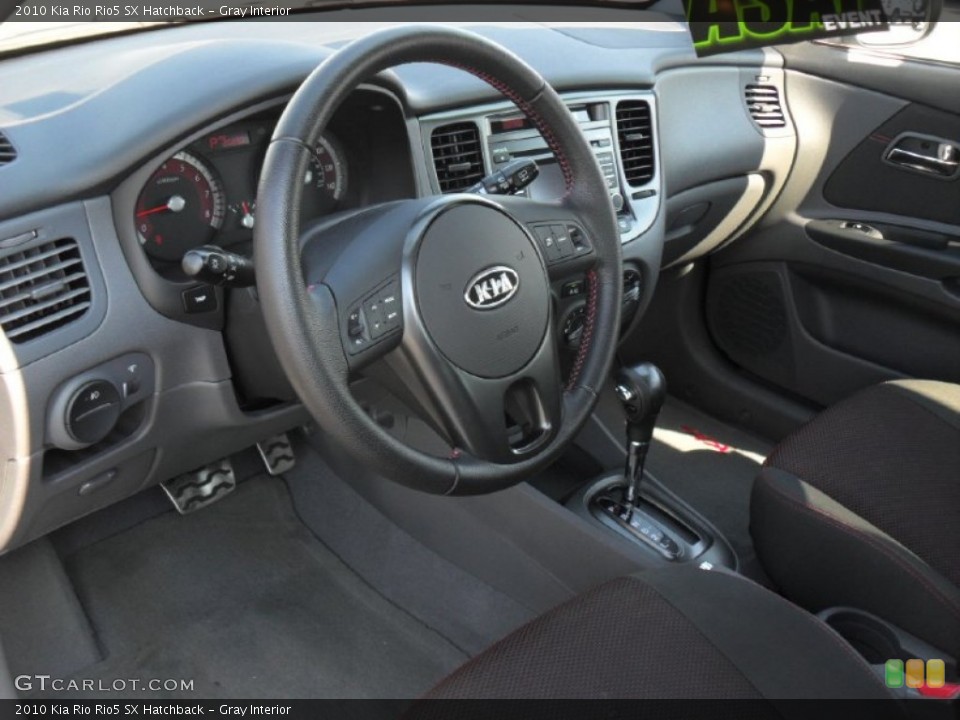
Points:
x=763, y=103
x=8, y=153
x=41, y=289
x=457, y=156
x=635, y=133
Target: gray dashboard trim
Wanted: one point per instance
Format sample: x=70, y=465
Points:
x=192, y=418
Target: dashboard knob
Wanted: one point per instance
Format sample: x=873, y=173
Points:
x=89, y=414
x=617, y=200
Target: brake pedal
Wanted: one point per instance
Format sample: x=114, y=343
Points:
x=277, y=454
x=195, y=490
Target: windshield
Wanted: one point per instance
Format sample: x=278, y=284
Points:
x=31, y=26
x=15, y=35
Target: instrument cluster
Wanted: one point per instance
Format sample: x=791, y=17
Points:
x=206, y=193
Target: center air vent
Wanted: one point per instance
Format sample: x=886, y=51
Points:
x=42, y=289
x=763, y=103
x=457, y=156
x=635, y=133
x=8, y=153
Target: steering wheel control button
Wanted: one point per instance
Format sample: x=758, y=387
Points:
x=200, y=299
x=564, y=243
x=373, y=314
x=355, y=325
x=93, y=412
x=376, y=316
x=580, y=244
x=572, y=289
x=548, y=242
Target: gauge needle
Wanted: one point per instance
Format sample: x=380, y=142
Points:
x=174, y=204
x=248, y=220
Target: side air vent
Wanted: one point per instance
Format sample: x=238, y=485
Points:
x=457, y=156
x=763, y=103
x=42, y=289
x=8, y=153
x=635, y=133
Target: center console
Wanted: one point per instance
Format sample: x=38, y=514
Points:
x=633, y=504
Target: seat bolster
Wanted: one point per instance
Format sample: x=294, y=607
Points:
x=785, y=651
x=820, y=554
x=940, y=398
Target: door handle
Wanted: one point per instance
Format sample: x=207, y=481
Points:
x=925, y=154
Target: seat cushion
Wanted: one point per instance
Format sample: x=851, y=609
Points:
x=861, y=507
x=673, y=633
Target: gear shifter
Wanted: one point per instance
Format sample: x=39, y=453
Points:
x=642, y=389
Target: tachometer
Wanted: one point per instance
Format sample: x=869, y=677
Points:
x=181, y=206
x=327, y=176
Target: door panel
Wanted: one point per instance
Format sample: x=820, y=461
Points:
x=854, y=276
x=866, y=180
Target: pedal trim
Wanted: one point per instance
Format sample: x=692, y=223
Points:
x=196, y=490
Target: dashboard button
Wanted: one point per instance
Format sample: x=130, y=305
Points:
x=201, y=299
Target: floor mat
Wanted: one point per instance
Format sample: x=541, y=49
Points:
x=396, y=564
x=711, y=465
x=244, y=601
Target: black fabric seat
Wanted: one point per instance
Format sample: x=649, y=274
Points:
x=861, y=508
x=672, y=633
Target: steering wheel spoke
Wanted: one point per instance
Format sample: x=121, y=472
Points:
x=559, y=231
x=358, y=257
x=504, y=419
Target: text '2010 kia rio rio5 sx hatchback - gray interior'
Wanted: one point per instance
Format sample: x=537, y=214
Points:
x=524, y=353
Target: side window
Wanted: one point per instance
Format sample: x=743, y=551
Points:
x=911, y=36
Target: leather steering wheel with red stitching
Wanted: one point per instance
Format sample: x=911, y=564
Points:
x=447, y=300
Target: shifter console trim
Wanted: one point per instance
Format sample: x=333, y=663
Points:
x=641, y=526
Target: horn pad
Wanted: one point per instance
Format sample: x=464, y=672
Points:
x=482, y=290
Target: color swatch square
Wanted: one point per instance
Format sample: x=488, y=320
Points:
x=893, y=673
x=914, y=673
x=936, y=673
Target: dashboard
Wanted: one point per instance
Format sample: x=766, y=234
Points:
x=102, y=214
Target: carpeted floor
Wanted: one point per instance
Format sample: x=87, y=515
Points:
x=711, y=465
x=250, y=599
x=242, y=599
x=466, y=610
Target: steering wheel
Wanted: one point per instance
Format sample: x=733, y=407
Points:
x=445, y=299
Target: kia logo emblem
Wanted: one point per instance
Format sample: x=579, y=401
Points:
x=492, y=287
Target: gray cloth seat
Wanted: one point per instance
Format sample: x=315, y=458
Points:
x=861, y=508
x=670, y=633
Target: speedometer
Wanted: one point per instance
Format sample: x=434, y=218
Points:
x=181, y=207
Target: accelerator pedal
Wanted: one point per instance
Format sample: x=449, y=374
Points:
x=195, y=490
x=277, y=454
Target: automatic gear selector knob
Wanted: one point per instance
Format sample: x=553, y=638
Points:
x=642, y=389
